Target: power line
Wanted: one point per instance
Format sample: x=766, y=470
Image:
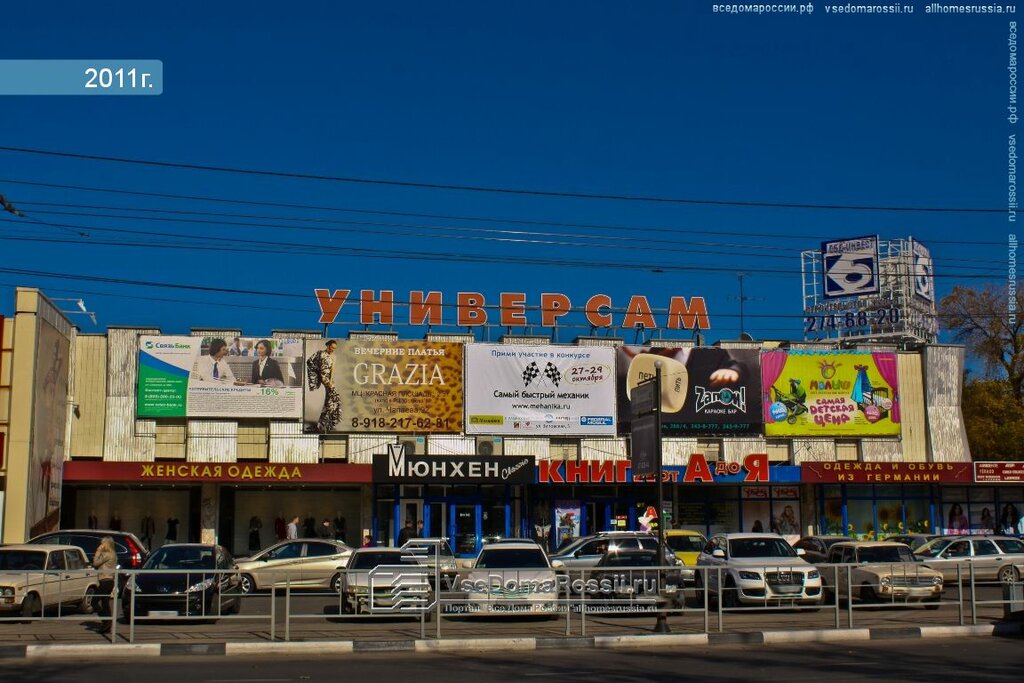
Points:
x=484, y=189
x=482, y=219
x=791, y=252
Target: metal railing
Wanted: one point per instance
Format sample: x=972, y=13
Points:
x=575, y=601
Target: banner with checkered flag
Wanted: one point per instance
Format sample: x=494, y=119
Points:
x=552, y=373
x=530, y=373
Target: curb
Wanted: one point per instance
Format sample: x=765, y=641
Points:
x=346, y=647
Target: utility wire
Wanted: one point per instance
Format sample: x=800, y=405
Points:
x=484, y=189
x=482, y=219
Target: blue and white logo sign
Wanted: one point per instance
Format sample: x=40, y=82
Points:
x=924, y=277
x=850, y=267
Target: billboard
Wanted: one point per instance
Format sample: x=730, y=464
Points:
x=924, y=275
x=240, y=377
x=849, y=267
x=830, y=393
x=383, y=386
x=703, y=390
x=49, y=427
x=554, y=390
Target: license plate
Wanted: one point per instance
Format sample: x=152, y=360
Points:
x=163, y=613
x=786, y=589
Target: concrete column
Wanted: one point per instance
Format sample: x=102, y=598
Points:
x=209, y=510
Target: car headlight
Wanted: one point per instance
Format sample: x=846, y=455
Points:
x=937, y=580
x=813, y=574
x=6, y=591
x=201, y=586
x=885, y=582
x=750, y=576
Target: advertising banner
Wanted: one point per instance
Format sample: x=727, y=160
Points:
x=830, y=393
x=49, y=428
x=849, y=267
x=383, y=386
x=885, y=472
x=999, y=472
x=241, y=377
x=555, y=390
x=703, y=390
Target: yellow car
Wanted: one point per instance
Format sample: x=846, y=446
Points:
x=686, y=545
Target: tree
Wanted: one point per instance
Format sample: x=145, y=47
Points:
x=994, y=422
x=992, y=331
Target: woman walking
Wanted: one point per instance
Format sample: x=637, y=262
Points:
x=105, y=562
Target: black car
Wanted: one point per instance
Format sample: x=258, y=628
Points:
x=816, y=547
x=185, y=579
x=131, y=553
x=632, y=575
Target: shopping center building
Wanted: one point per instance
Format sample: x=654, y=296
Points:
x=520, y=437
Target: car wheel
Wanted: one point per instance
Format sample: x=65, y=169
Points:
x=730, y=595
x=1009, y=574
x=31, y=607
x=868, y=594
x=337, y=583
x=86, y=606
x=247, y=583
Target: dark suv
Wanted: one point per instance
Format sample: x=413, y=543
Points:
x=131, y=554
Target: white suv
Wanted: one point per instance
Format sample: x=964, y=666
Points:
x=758, y=569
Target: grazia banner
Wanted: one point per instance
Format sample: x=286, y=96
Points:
x=703, y=390
x=383, y=386
x=555, y=390
x=830, y=393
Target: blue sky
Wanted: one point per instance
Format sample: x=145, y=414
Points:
x=657, y=99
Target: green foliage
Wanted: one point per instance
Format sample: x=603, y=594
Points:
x=994, y=420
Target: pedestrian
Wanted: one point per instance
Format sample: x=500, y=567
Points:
x=406, y=533
x=367, y=541
x=293, y=529
x=419, y=529
x=325, y=530
x=104, y=560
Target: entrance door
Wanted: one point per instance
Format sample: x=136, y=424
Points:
x=434, y=520
x=464, y=530
x=412, y=511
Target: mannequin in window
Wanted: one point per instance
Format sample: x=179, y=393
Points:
x=147, y=530
x=94, y=521
x=172, y=530
x=280, y=527
x=115, y=521
x=309, y=527
x=255, y=524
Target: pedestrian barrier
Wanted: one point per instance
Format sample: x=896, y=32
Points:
x=576, y=601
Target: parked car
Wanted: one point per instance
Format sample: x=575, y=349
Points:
x=880, y=571
x=992, y=557
x=686, y=546
x=436, y=555
x=511, y=578
x=363, y=590
x=301, y=563
x=185, y=579
x=587, y=551
x=131, y=553
x=816, y=547
x=759, y=569
x=915, y=541
x=633, y=575
x=36, y=577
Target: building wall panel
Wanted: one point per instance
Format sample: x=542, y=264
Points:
x=89, y=396
x=610, y=448
x=212, y=441
x=944, y=367
x=290, y=444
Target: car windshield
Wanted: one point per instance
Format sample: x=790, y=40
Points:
x=885, y=553
x=760, y=547
x=573, y=546
x=512, y=558
x=685, y=544
x=932, y=548
x=375, y=559
x=629, y=560
x=181, y=557
x=22, y=560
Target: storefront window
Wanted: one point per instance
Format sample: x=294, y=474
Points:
x=861, y=519
x=890, y=517
x=916, y=521
x=494, y=521
x=834, y=517
x=567, y=516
